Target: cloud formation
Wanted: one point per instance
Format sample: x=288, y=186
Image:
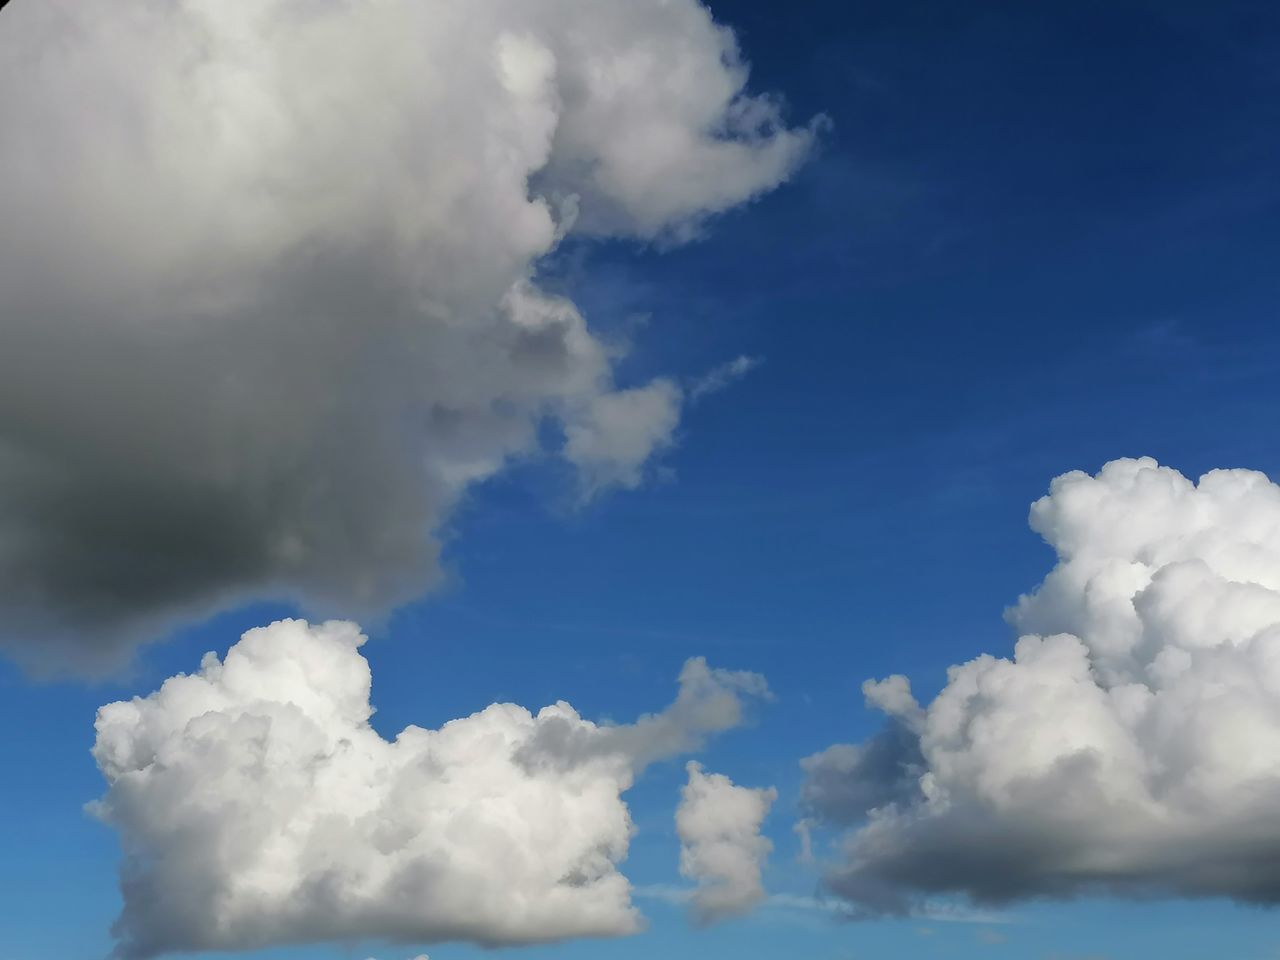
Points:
x=721, y=848
x=722, y=377
x=268, y=283
x=1131, y=745
x=257, y=806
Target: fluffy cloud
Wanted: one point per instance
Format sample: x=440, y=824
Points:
x=257, y=806
x=268, y=282
x=721, y=848
x=611, y=442
x=1130, y=746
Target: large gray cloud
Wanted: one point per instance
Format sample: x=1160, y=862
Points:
x=1131, y=745
x=256, y=805
x=268, y=282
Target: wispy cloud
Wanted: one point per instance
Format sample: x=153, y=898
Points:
x=835, y=908
x=722, y=376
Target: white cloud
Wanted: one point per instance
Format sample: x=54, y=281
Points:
x=268, y=282
x=1130, y=746
x=803, y=830
x=721, y=848
x=833, y=908
x=257, y=806
x=723, y=376
x=612, y=439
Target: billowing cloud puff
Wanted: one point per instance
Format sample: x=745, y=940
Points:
x=1131, y=746
x=721, y=848
x=257, y=806
x=268, y=282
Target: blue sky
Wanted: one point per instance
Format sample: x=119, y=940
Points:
x=1033, y=238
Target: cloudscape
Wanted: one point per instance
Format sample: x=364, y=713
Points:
x=617, y=479
x=279, y=271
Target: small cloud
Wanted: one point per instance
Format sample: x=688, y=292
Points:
x=612, y=439
x=840, y=909
x=942, y=912
x=665, y=893
x=720, y=843
x=803, y=831
x=725, y=375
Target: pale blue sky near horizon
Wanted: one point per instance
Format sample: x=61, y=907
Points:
x=1035, y=238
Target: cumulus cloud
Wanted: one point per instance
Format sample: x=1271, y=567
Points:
x=268, y=283
x=257, y=806
x=721, y=848
x=1131, y=744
